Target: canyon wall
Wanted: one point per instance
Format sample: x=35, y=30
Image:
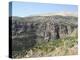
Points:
x=28, y=31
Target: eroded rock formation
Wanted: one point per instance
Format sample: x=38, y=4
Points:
x=36, y=29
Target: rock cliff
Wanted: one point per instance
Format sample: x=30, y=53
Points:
x=27, y=31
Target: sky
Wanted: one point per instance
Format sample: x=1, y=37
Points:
x=23, y=9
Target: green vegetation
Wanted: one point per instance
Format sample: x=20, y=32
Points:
x=60, y=47
x=66, y=46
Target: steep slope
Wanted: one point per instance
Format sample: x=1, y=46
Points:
x=29, y=31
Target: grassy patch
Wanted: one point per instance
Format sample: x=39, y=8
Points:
x=60, y=47
x=66, y=46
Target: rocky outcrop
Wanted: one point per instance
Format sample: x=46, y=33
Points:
x=36, y=29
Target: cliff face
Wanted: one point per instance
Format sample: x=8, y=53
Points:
x=28, y=31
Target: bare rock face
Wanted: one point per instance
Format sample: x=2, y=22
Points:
x=28, y=31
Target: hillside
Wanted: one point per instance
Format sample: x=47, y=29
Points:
x=51, y=32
